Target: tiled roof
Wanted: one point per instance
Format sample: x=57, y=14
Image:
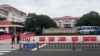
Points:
x=65, y=17
x=8, y=6
x=5, y=5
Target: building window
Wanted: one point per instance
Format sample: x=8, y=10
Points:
x=66, y=21
x=74, y=22
x=59, y=22
x=67, y=25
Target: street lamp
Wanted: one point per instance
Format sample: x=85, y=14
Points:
x=14, y=28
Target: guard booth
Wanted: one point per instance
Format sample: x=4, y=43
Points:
x=38, y=30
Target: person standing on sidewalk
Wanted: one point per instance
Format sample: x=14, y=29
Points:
x=13, y=38
x=18, y=37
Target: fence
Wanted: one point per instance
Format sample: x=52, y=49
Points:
x=22, y=36
x=4, y=37
x=59, y=42
x=73, y=46
x=64, y=42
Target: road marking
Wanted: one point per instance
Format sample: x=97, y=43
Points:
x=41, y=46
x=4, y=51
x=1, y=53
x=34, y=49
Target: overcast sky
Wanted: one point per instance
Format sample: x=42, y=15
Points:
x=55, y=8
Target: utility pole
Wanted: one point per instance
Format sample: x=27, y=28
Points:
x=14, y=28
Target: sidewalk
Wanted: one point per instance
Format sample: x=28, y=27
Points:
x=6, y=45
x=9, y=47
x=7, y=41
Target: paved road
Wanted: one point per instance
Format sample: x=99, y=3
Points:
x=6, y=46
x=50, y=50
x=92, y=52
x=57, y=52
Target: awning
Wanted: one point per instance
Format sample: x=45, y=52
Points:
x=11, y=26
x=1, y=30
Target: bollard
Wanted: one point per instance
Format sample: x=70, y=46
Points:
x=83, y=45
x=33, y=40
x=12, y=45
x=89, y=45
x=73, y=46
x=20, y=47
x=37, y=46
x=53, y=45
x=92, y=44
x=96, y=45
x=47, y=46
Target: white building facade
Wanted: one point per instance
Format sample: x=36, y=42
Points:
x=3, y=12
x=12, y=14
x=66, y=21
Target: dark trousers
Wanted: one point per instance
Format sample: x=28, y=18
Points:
x=18, y=39
x=13, y=41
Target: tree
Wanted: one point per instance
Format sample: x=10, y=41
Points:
x=2, y=18
x=42, y=21
x=90, y=19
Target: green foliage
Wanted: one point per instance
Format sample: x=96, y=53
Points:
x=89, y=19
x=2, y=18
x=34, y=20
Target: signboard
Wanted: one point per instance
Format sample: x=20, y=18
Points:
x=29, y=45
x=57, y=30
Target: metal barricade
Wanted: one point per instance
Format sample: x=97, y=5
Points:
x=73, y=46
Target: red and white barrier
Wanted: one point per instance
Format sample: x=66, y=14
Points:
x=25, y=36
x=66, y=39
x=4, y=37
x=22, y=36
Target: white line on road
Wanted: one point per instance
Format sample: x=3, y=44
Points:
x=41, y=46
x=4, y=51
